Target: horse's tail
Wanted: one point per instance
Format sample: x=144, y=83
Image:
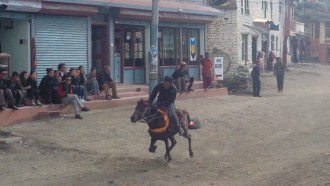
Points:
x=189, y=118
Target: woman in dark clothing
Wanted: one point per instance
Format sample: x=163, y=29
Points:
x=78, y=88
x=48, y=88
x=32, y=92
x=23, y=76
x=83, y=80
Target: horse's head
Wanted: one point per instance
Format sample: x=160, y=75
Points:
x=140, y=110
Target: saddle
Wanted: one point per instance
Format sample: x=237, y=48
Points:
x=166, y=120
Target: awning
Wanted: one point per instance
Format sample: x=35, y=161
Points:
x=21, y=5
x=260, y=20
x=164, y=6
x=270, y=23
x=164, y=16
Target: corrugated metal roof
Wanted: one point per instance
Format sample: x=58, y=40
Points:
x=164, y=6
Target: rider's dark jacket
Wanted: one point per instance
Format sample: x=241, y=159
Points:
x=165, y=97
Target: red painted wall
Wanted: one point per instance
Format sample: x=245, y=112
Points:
x=323, y=53
x=318, y=50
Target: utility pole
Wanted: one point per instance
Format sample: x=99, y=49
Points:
x=153, y=70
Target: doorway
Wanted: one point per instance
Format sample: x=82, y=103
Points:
x=100, y=47
x=130, y=53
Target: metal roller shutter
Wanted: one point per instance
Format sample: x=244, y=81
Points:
x=60, y=39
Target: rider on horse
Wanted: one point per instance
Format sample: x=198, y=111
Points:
x=166, y=92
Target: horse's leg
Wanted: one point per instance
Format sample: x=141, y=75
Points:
x=173, y=142
x=188, y=136
x=167, y=156
x=153, y=147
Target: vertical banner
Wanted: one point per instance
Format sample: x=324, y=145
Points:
x=218, y=68
x=193, y=49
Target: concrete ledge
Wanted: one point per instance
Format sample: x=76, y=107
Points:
x=26, y=114
x=201, y=93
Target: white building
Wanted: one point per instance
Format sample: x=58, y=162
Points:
x=247, y=28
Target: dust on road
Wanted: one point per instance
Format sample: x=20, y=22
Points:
x=279, y=139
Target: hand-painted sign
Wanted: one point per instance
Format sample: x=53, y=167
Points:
x=218, y=68
x=193, y=49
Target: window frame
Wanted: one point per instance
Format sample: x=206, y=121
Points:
x=132, y=47
x=245, y=7
x=264, y=8
x=244, y=52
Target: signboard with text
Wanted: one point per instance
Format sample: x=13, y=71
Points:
x=218, y=68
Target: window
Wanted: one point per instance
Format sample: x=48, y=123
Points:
x=245, y=47
x=276, y=43
x=327, y=29
x=271, y=10
x=168, y=46
x=133, y=47
x=171, y=46
x=190, y=46
x=264, y=8
x=245, y=7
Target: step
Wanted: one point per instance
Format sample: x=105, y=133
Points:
x=132, y=88
x=121, y=95
x=201, y=93
x=197, y=85
x=104, y=104
x=26, y=114
x=46, y=115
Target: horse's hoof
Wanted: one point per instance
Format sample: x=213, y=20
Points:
x=153, y=150
x=191, y=154
x=167, y=158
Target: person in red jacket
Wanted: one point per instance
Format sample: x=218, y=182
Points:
x=207, y=66
x=65, y=92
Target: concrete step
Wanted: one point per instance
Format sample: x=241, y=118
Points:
x=104, y=104
x=132, y=88
x=128, y=98
x=121, y=95
x=201, y=93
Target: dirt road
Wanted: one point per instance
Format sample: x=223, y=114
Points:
x=279, y=139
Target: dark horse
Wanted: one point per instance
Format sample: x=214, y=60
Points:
x=160, y=127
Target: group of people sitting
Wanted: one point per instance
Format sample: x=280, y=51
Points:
x=58, y=86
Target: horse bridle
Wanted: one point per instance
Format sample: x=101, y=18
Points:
x=147, y=119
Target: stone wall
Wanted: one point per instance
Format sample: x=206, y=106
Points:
x=225, y=33
x=222, y=40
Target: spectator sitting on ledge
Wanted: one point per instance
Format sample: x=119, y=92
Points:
x=65, y=92
x=181, y=77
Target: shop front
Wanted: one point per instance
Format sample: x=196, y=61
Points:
x=15, y=32
x=181, y=38
x=180, y=44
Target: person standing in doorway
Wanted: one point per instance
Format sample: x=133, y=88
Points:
x=207, y=66
x=279, y=71
x=256, y=79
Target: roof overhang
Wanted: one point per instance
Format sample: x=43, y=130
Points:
x=164, y=6
x=21, y=5
x=264, y=21
x=164, y=16
x=269, y=23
